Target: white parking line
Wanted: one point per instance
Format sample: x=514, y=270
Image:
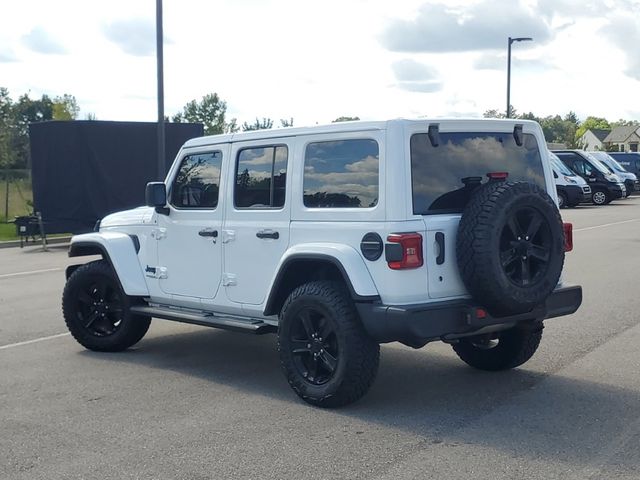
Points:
x=606, y=225
x=17, y=274
x=35, y=340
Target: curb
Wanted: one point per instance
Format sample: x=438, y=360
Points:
x=50, y=241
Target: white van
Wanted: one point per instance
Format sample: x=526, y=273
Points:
x=572, y=189
x=630, y=179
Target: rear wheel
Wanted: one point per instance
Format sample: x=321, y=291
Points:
x=96, y=310
x=501, y=350
x=327, y=356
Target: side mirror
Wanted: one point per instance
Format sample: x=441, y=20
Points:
x=155, y=195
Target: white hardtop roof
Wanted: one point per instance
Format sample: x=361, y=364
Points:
x=345, y=127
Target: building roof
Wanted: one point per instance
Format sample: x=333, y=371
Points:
x=621, y=134
x=600, y=134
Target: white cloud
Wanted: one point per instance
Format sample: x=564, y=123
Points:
x=135, y=36
x=41, y=41
x=624, y=32
x=243, y=51
x=483, y=25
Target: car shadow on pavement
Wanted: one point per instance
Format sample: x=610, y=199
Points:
x=431, y=394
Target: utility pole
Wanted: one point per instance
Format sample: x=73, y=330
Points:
x=160, y=54
x=511, y=40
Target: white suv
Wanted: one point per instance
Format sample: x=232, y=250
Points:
x=339, y=238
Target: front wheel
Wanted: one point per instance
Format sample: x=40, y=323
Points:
x=96, y=310
x=327, y=356
x=562, y=200
x=502, y=350
x=600, y=197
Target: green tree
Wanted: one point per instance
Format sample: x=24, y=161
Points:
x=26, y=111
x=625, y=123
x=345, y=119
x=263, y=124
x=598, y=123
x=286, y=123
x=6, y=128
x=65, y=107
x=493, y=113
x=210, y=111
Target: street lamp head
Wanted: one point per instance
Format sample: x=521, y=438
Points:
x=520, y=39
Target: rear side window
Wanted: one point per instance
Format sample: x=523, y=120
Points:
x=261, y=177
x=198, y=181
x=341, y=174
x=444, y=177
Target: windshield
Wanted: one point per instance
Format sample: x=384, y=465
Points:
x=599, y=165
x=445, y=176
x=557, y=164
x=610, y=161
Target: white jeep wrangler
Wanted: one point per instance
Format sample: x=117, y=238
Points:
x=339, y=238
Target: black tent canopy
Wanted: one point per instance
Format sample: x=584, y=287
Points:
x=84, y=170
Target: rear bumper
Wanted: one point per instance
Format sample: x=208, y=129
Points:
x=417, y=324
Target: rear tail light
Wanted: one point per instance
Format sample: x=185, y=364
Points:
x=498, y=175
x=568, y=236
x=404, y=251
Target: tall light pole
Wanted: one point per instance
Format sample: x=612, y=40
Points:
x=159, y=54
x=511, y=40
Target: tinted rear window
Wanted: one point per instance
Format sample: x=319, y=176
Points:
x=443, y=177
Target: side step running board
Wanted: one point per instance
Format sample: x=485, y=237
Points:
x=247, y=325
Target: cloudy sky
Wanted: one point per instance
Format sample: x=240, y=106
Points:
x=315, y=61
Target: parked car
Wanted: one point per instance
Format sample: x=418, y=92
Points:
x=339, y=238
x=605, y=186
x=629, y=160
x=630, y=179
x=572, y=189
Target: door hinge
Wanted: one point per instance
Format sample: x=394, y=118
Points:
x=159, y=233
x=228, y=236
x=156, y=272
x=229, y=279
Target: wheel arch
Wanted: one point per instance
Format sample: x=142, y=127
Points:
x=300, y=267
x=120, y=250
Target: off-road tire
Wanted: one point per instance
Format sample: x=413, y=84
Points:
x=515, y=347
x=130, y=329
x=485, y=227
x=358, y=355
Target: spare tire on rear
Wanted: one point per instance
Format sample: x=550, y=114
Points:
x=510, y=246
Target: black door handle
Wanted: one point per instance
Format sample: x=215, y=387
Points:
x=440, y=242
x=208, y=233
x=268, y=234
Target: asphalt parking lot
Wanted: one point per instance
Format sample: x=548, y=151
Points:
x=195, y=403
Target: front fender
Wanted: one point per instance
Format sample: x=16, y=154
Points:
x=119, y=249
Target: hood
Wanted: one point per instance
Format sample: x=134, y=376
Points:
x=136, y=216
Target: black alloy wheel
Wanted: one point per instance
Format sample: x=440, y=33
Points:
x=510, y=246
x=97, y=310
x=525, y=246
x=100, y=307
x=327, y=356
x=314, y=346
